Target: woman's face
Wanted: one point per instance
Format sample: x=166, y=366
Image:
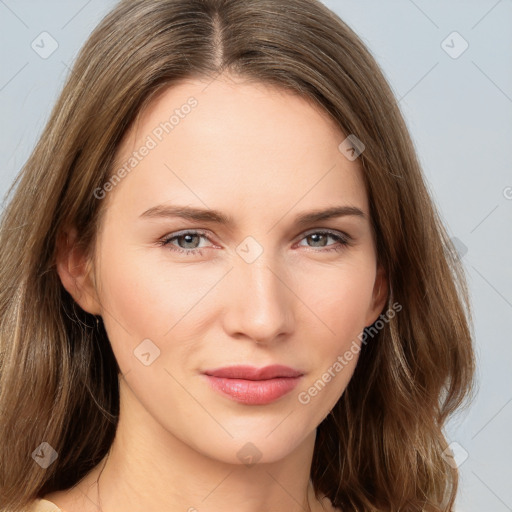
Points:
x=194, y=291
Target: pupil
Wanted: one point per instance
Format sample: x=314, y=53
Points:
x=318, y=238
x=188, y=240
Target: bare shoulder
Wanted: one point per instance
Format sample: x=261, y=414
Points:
x=79, y=498
x=57, y=499
x=42, y=505
x=325, y=505
x=72, y=500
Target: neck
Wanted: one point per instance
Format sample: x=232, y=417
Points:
x=150, y=469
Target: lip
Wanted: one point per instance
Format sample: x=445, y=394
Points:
x=253, y=386
x=253, y=373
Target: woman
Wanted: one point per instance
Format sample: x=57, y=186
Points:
x=224, y=283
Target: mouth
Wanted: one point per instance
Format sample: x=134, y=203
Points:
x=253, y=386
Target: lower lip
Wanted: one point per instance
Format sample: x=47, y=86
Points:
x=254, y=392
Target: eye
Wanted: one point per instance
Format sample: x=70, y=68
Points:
x=319, y=239
x=188, y=242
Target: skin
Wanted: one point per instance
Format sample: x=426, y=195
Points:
x=262, y=156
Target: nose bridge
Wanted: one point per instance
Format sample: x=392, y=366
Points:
x=261, y=305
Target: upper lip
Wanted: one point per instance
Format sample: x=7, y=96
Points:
x=252, y=373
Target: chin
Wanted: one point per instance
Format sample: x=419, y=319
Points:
x=251, y=446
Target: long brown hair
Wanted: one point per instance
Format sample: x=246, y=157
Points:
x=381, y=447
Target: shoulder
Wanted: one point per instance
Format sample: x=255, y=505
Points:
x=42, y=505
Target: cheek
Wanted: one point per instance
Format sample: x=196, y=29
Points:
x=143, y=297
x=340, y=297
x=136, y=302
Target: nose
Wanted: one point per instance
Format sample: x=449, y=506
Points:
x=260, y=305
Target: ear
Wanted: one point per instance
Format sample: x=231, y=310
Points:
x=75, y=272
x=379, y=296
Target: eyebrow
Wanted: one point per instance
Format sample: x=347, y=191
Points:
x=217, y=217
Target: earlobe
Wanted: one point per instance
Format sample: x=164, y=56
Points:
x=75, y=272
x=379, y=298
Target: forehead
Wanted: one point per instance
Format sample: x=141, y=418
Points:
x=246, y=143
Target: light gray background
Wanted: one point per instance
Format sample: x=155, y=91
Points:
x=459, y=111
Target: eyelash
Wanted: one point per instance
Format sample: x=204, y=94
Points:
x=343, y=241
